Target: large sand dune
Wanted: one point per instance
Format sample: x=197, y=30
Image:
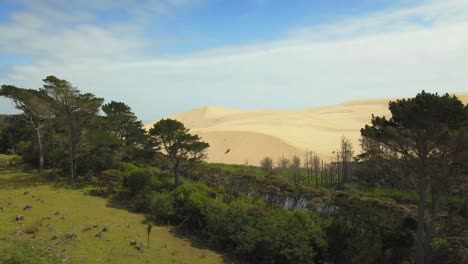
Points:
x=245, y=137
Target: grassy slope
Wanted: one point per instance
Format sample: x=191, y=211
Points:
x=79, y=211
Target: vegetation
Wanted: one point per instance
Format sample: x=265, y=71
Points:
x=178, y=144
x=399, y=201
x=426, y=133
x=71, y=209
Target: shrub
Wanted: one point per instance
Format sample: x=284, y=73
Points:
x=111, y=179
x=161, y=206
x=137, y=179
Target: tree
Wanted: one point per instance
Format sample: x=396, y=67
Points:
x=266, y=164
x=316, y=166
x=378, y=163
x=37, y=112
x=283, y=163
x=308, y=165
x=296, y=166
x=122, y=123
x=345, y=157
x=13, y=131
x=179, y=145
x=426, y=133
x=75, y=110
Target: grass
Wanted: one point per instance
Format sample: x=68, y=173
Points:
x=400, y=196
x=408, y=197
x=249, y=169
x=258, y=172
x=58, y=212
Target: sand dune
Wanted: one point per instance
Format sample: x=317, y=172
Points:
x=245, y=137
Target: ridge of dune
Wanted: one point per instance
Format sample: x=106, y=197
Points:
x=246, y=136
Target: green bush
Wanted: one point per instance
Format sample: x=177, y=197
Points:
x=112, y=180
x=161, y=206
x=137, y=179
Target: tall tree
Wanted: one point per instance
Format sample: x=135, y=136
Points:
x=426, y=132
x=179, y=145
x=123, y=124
x=308, y=165
x=13, y=131
x=37, y=112
x=345, y=157
x=316, y=167
x=378, y=163
x=75, y=109
x=296, y=167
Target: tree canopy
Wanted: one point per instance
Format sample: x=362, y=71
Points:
x=178, y=143
x=426, y=132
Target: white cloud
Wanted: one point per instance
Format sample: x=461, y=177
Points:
x=396, y=53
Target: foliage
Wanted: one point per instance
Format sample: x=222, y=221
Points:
x=266, y=164
x=368, y=231
x=112, y=180
x=161, y=206
x=257, y=214
x=122, y=124
x=178, y=144
x=78, y=213
x=426, y=132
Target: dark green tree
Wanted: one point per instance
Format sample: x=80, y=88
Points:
x=426, y=133
x=75, y=110
x=178, y=144
x=13, y=131
x=36, y=107
x=123, y=124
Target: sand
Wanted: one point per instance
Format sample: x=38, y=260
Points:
x=245, y=137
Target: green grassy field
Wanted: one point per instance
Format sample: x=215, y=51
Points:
x=58, y=211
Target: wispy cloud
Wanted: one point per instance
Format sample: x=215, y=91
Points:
x=392, y=53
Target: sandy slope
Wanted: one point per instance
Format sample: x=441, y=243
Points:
x=239, y=137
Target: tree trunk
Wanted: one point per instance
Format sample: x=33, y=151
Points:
x=321, y=174
x=428, y=238
x=40, y=149
x=176, y=175
x=70, y=153
x=420, y=232
x=316, y=175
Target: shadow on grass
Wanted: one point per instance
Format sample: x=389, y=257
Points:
x=16, y=177
x=122, y=200
x=204, y=245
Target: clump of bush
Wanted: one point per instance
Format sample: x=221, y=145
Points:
x=111, y=180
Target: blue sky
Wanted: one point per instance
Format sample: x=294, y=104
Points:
x=168, y=56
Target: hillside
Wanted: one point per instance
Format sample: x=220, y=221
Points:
x=245, y=137
x=57, y=212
